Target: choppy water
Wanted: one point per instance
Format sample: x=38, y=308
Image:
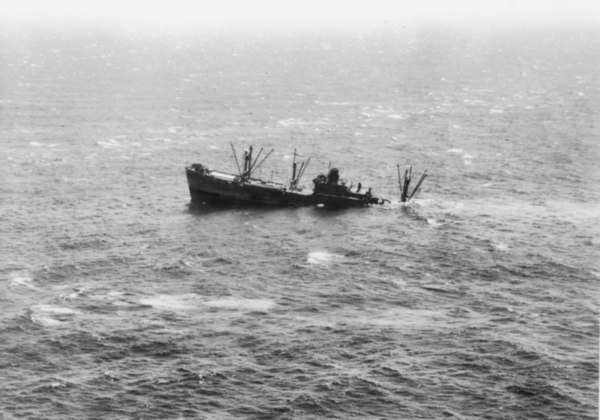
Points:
x=479, y=300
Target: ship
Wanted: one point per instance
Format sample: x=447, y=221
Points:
x=212, y=186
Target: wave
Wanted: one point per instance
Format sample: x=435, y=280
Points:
x=189, y=302
x=22, y=280
x=260, y=305
x=323, y=258
x=171, y=302
x=47, y=315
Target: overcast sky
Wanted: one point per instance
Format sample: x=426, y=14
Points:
x=294, y=11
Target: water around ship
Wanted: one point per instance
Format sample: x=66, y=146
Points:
x=478, y=300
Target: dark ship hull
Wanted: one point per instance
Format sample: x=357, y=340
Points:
x=221, y=187
x=214, y=186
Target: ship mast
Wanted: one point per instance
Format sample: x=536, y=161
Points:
x=297, y=173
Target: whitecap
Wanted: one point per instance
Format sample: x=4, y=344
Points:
x=52, y=309
x=171, y=302
x=335, y=103
x=51, y=315
x=398, y=282
x=396, y=116
x=287, y=122
x=432, y=222
x=75, y=294
x=500, y=246
x=455, y=150
x=35, y=143
x=45, y=321
x=22, y=280
x=450, y=207
x=110, y=143
x=241, y=304
x=407, y=318
x=496, y=111
x=322, y=258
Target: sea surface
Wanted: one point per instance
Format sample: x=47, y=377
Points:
x=478, y=299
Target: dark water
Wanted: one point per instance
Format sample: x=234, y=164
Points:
x=478, y=300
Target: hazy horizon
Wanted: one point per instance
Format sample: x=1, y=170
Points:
x=185, y=13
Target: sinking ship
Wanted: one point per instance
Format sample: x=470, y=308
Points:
x=207, y=185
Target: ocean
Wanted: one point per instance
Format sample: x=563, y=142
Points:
x=478, y=299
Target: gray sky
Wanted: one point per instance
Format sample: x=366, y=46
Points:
x=180, y=12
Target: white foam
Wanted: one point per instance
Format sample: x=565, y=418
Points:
x=171, y=302
x=432, y=222
x=500, y=246
x=423, y=202
x=46, y=315
x=451, y=206
x=45, y=321
x=335, y=103
x=241, y=304
x=20, y=280
x=322, y=258
x=406, y=318
x=288, y=122
x=38, y=144
x=52, y=309
x=110, y=143
x=75, y=294
x=455, y=150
